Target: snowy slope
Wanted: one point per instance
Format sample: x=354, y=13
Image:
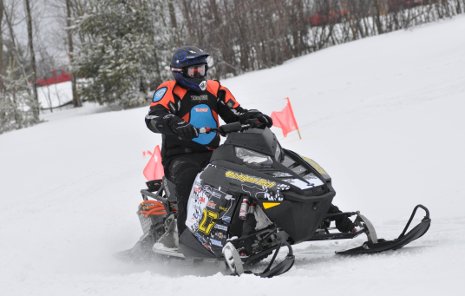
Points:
x=383, y=115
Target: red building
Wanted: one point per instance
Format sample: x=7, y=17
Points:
x=328, y=12
x=53, y=77
x=334, y=11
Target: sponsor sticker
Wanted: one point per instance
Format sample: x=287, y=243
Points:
x=199, y=98
x=221, y=227
x=201, y=110
x=250, y=179
x=216, y=242
x=262, y=192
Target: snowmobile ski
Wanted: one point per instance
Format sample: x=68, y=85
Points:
x=380, y=245
x=280, y=268
x=236, y=265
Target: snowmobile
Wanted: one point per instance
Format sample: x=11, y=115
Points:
x=253, y=199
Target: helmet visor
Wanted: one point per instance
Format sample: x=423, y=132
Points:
x=196, y=71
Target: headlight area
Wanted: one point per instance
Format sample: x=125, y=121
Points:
x=317, y=167
x=253, y=158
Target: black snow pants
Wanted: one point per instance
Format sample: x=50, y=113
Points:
x=182, y=170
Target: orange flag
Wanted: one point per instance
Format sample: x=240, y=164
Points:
x=154, y=169
x=285, y=119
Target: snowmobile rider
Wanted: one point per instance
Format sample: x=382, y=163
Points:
x=179, y=107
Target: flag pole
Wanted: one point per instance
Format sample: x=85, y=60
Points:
x=293, y=116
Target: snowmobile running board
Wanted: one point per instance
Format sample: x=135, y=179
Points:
x=170, y=253
x=375, y=245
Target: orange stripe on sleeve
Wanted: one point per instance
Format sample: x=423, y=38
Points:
x=229, y=97
x=164, y=94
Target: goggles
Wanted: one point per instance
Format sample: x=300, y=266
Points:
x=196, y=71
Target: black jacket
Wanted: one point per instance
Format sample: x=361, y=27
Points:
x=201, y=109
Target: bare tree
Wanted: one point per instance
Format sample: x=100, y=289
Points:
x=458, y=6
x=174, y=23
x=35, y=106
x=76, y=99
x=1, y=46
x=13, y=80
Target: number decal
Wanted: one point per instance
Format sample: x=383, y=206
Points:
x=208, y=221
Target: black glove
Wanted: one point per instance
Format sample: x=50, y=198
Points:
x=184, y=130
x=221, y=131
x=265, y=120
x=229, y=128
x=256, y=119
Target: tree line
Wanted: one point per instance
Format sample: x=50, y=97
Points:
x=119, y=50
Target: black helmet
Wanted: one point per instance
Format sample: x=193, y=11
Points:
x=186, y=57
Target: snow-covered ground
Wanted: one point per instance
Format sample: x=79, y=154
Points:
x=384, y=116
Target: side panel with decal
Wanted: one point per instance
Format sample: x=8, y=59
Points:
x=209, y=214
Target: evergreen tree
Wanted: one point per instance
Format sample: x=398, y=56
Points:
x=117, y=56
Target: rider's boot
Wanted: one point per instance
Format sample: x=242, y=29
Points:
x=169, y=241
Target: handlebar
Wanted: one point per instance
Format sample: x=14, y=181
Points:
x=206, y=130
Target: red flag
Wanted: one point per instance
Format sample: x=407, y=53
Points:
x=154, y=169
x=285, y=119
